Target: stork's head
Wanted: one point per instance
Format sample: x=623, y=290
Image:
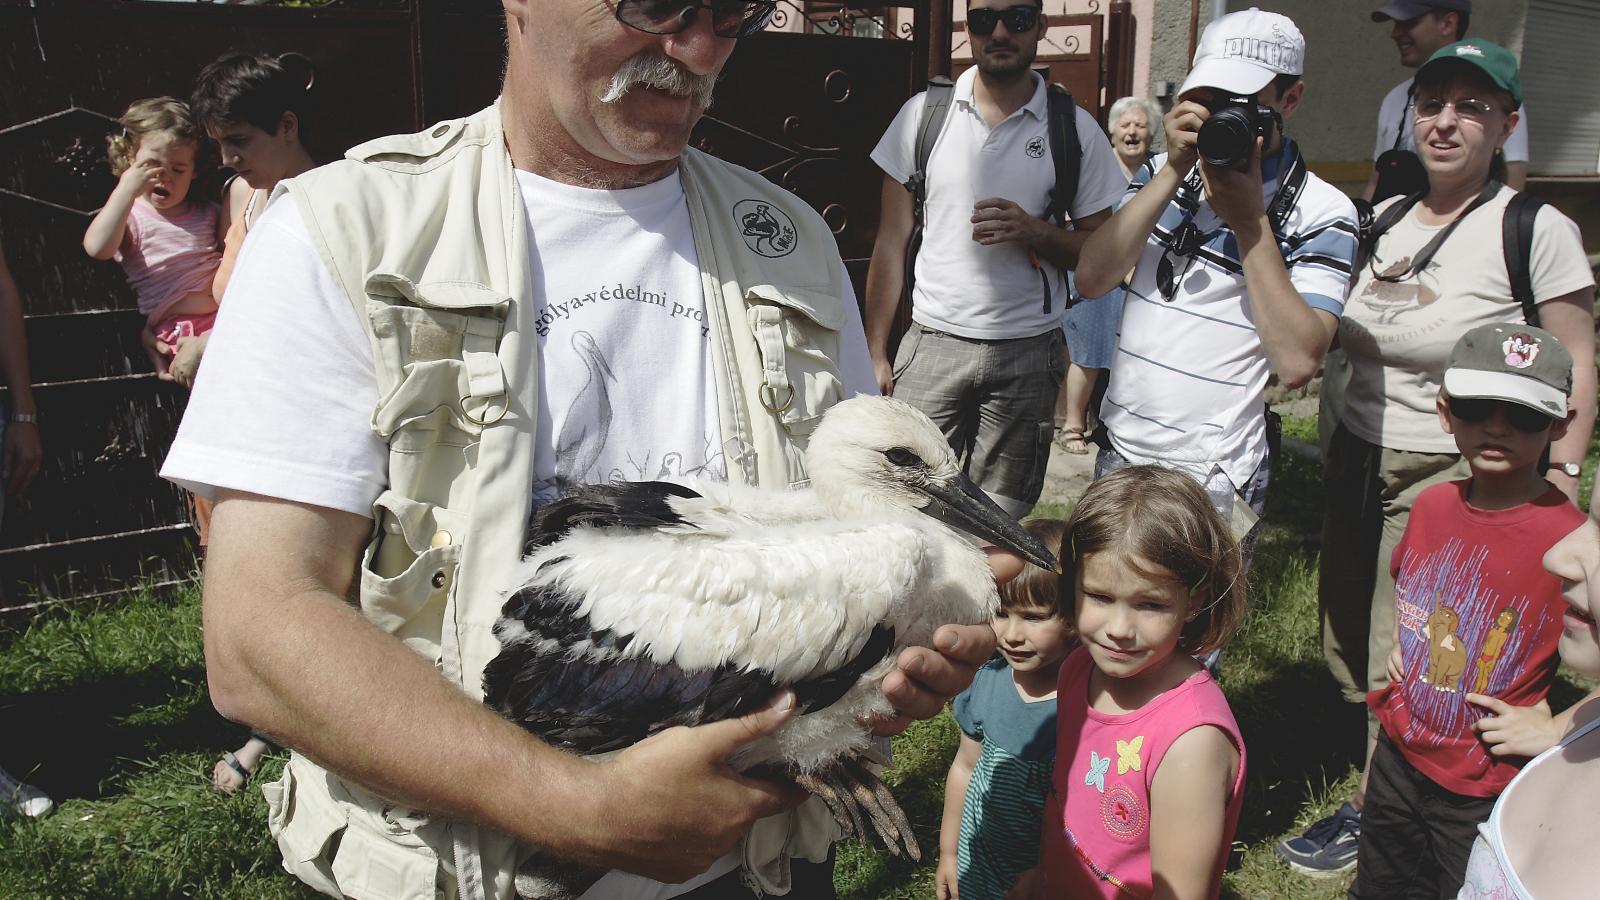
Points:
x=877, y=454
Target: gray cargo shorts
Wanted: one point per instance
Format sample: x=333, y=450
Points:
x=994, y=401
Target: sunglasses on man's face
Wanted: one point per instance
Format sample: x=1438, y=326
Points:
x=981, y=20
x=729, y=18
x=1523, y=418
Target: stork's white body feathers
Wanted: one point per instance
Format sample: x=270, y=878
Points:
x=649, y=605
x=778, y=586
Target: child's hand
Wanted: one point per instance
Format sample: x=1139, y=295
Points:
x=1027, y=886
x=945, y=879
x=1396, y=665
x=158, y=351
x=1515, y=730
x=141, y=178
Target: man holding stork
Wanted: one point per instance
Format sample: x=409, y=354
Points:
x=458, y=360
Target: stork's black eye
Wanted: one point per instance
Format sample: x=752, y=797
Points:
x=900, y=456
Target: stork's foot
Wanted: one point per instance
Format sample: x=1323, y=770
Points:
x=856, y=797
x=543, y=877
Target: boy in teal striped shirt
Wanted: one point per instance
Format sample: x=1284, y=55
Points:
x=995, y=791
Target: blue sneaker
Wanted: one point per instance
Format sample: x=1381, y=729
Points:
x=1327, y=848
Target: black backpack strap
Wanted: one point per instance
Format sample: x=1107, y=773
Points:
x=1516, y=238
x=1065, y=151
x=1062, y=125
x=935, y=109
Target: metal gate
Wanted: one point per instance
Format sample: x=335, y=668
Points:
x=802, y=108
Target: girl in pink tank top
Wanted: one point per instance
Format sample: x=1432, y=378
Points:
x=1149, y=771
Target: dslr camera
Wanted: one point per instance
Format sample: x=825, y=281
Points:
x=1229, y=134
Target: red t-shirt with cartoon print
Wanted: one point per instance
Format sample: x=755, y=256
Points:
x=1478, y=614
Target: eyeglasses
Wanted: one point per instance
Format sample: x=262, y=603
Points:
x=1522, y=418
x=1469, y=109
x=729, y=18
x=981, y=20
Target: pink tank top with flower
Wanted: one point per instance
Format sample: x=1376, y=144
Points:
x=1096, y=840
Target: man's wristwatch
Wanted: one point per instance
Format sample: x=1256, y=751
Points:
x=25, y=418
x=1573, y=469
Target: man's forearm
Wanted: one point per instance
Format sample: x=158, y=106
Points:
x=1114, y=248
x=14, y=346
x=1293, y=335
x=1061, y=247
x=298, y=662
x=885, y=284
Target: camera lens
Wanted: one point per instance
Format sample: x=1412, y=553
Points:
x=1226, y=137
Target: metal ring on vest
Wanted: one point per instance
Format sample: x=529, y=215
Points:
x=483, y=422
x=774, y=407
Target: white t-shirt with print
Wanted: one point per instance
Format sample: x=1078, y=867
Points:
x=993, y=292
x=1397, y=336
x=1394, y=120
x=286, y=392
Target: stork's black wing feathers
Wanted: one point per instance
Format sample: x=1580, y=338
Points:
x=569, y=683
x=639, y=504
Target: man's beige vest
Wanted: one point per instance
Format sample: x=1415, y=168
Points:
x=427, y=236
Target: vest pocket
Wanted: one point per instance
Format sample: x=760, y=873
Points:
x=342, y=843
x=799, y=378
x=436, y=357
x=407, y=569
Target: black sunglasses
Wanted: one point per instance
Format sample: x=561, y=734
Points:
x=1523, y=418
x=981, y=21
x=729, y=18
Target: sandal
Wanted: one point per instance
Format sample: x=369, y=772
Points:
x=1071, y=439
x=220, y=783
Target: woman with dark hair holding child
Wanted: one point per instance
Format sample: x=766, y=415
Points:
x=252, y=106
x=1434, y=269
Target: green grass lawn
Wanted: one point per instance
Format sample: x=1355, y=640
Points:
x=108, y=711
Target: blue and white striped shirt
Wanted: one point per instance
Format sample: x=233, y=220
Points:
x=1187, y=381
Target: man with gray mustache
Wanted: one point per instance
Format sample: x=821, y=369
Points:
x=551, y=292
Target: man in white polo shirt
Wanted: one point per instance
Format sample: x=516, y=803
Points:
x=1240, y=268
x=984, y=356
x=1420, y=28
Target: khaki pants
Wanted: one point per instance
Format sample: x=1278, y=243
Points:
x=1370, y=491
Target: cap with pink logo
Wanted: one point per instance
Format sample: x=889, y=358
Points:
x=1242, y=52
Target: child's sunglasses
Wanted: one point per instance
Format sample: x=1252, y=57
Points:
x=981, y=20
x=1522, y=418
x=729, y=18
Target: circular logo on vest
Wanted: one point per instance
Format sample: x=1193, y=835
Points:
x=767, y=229
x=1036, y=147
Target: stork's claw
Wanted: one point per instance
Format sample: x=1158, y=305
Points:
x=856, y=796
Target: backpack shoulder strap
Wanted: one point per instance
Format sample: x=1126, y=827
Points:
x=935, y=109
x=1064, y=150
x=1516, y=238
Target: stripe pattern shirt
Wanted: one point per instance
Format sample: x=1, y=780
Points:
x=1004, y=804
x=1187, y=382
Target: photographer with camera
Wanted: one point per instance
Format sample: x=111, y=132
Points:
x=1241, y=260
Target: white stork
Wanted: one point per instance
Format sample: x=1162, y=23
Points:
x=647, y=605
